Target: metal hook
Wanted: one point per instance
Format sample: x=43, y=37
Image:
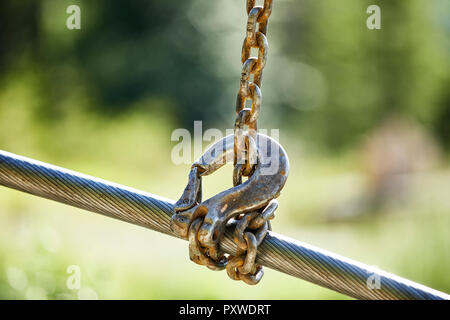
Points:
x=263, y=185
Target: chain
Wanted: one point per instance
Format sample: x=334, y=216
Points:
x=258, y=16
x=248, y=206
x=249, y=232
x=251, y=228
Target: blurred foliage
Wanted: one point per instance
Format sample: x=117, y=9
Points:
x=104, y=100
x=328, y=64
x=402, y=68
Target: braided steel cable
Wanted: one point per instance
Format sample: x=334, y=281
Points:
x=278, y=252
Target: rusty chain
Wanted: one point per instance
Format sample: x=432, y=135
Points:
x=242, y=266
x=250, y=90
x=248, y=206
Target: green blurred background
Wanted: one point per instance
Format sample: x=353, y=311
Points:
x=364, y=115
